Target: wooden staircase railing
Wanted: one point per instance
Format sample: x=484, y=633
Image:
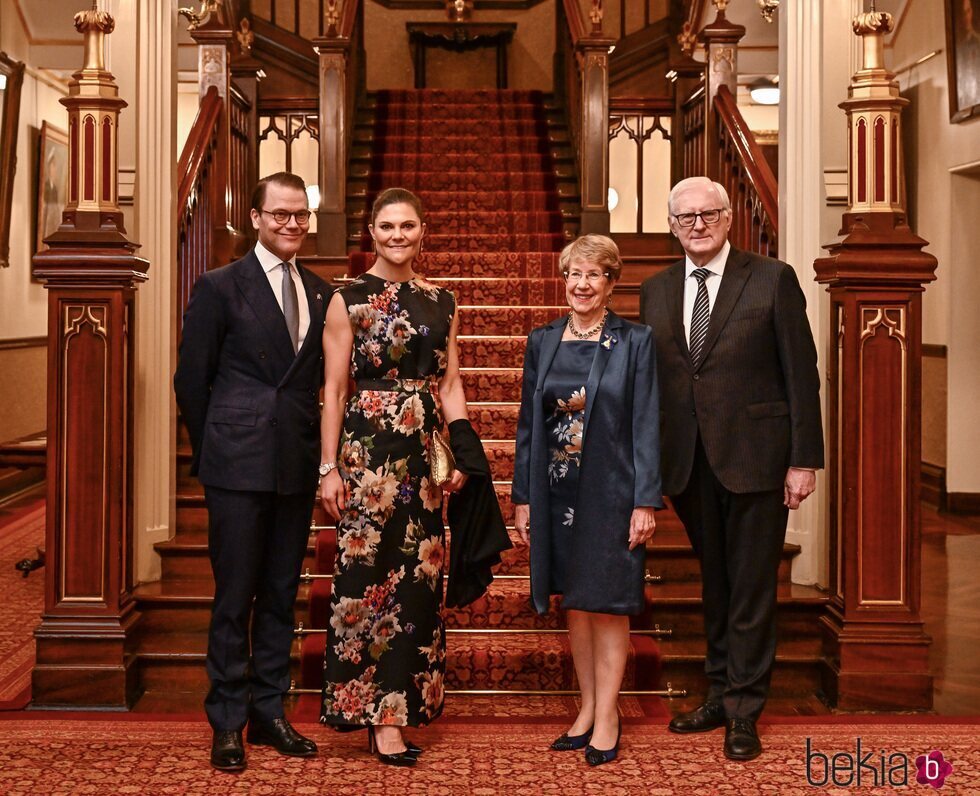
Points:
x=744, y=171
x=200, y=193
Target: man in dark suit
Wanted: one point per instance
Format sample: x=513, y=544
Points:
x=741, y=440
x=247, y=384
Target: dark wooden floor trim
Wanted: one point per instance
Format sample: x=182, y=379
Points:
x=932, y=486
x=23, y=342
x=963, y=502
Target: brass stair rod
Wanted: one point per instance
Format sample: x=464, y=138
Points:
x=670, y=692
x=308, y=576
x=524, y=631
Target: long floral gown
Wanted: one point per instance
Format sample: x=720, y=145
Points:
x=386, y=646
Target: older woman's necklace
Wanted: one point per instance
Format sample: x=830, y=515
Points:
x=585, y=334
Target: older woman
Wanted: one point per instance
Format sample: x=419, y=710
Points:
x=587, y=480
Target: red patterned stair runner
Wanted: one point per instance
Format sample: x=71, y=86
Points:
x=481, y=162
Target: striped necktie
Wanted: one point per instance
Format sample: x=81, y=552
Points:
x=290, y=305
x=699, y=316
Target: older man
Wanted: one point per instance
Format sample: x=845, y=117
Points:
x=741, y=438
x=247, y=383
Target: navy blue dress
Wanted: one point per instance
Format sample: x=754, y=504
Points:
x=564, y=405
x=580, y=536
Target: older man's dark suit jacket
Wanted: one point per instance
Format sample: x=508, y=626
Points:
x=251, y=404
x=754, y=396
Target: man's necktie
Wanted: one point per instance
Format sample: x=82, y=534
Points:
x=290, y=306
x=699, y=316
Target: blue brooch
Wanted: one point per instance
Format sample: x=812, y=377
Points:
x=608, y=341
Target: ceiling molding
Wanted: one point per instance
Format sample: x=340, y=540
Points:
x=49, y=78
x=33, y=40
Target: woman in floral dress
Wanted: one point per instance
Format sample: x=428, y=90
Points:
x=394, y=335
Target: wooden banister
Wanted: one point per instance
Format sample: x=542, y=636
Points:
x=196, y=205
x=746, y=175
x=348, y=18
x=197, y=146
x=576, y=23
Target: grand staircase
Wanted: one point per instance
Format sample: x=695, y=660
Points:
x=496, y=172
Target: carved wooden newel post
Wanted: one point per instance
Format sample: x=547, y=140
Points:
x=334, y=54
x=592, y=52
x=84, y=653
x=878, y=651
x=721, y=38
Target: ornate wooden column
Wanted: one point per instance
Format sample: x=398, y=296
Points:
x=247, y=73
x=686, y=73
x=720, y=39
x=593, y=54
x=334, y=51
x=875, y=273
x=84, y=655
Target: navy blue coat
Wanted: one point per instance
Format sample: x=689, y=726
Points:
x=250, y=404
x=619, y=469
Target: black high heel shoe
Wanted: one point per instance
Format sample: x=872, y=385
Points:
x=596, y=757
x=569, y=743
x=409, y=746
x=404, y=759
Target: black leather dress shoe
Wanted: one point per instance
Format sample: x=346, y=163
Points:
x=709, y=716
x=227, y=750
x=742, y=740
x=280, y=735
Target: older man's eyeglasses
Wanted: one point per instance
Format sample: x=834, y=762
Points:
x=282, y=217
x=592, y=277
x=690, y=219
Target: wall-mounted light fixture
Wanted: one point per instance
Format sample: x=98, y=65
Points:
x=764, y=92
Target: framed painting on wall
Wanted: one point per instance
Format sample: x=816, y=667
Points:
x=963, y=58
x=11, y=80
x=52, y=181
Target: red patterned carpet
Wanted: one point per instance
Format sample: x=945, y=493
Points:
x=52, y=755
x=21, y=532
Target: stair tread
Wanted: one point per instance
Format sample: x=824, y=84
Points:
x=690, y=592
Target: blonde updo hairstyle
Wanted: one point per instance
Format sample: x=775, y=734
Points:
x=595, y=250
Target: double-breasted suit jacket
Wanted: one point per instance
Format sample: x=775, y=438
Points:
x=619, y=470
x=754, y=396
x=250, y=404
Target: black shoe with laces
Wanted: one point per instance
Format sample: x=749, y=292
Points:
x=227, y=750
x=742, y=740
x=709, y=716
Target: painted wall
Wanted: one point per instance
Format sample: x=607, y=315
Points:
x=943, y=169
x=529, y=57
x=23, y=302
x=23, y=388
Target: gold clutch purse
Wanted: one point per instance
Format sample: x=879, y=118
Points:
x=441, y=461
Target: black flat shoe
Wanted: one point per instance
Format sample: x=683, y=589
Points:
x=742, y=740
x=404, y=759
x=227, y=750
x=569, y=743
x=597, y=757
x=280, y=735
x=709, y=716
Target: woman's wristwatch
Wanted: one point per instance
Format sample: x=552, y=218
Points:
x=326, y=467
